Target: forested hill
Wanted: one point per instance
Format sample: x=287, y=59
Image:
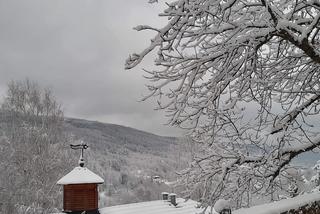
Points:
x=109, y=136
x=127, y=159
x=124, y=157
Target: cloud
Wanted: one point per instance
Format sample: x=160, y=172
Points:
x=78, y=49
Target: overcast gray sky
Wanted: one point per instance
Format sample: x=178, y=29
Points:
x=78, y=49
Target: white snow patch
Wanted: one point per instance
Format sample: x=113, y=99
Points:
x=80, y=175
x=221, y=204
x=281, y=206
x=156, y=207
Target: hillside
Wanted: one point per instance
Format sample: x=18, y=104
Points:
x=127, y=159
x=108, y=136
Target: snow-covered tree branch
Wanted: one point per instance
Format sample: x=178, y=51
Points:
x=243, y=77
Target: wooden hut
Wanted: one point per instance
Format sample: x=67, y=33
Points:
x=80, y=190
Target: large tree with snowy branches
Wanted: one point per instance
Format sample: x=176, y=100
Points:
x=243, y=77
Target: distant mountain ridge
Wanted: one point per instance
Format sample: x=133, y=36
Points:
x=103, y=134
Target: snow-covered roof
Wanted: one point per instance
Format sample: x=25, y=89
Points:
x=281, y=206
x=155, y=207
x=222, y=204
x=190, y=207
x=80, y=175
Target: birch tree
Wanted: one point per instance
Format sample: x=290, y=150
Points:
x=32, y=151
x=243, y=77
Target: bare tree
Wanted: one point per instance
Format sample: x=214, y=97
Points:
x=32, y=156
x=243, y=77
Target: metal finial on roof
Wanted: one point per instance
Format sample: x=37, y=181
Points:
x=81, y=146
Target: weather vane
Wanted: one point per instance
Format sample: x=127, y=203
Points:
x=81, y=146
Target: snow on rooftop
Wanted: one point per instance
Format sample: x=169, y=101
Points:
x=155, y=207
x=80, y=175
x=222, y=204
x=190, y=207
x=281, y=206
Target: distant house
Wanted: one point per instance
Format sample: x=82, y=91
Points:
x=156, y=178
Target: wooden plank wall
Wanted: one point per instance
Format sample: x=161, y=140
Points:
x=77, y=197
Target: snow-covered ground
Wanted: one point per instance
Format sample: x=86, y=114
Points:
x=282, y=205
x=155, y=207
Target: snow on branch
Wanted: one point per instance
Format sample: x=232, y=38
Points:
x=223, y=70
x=145, y=27
x=288, y=118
